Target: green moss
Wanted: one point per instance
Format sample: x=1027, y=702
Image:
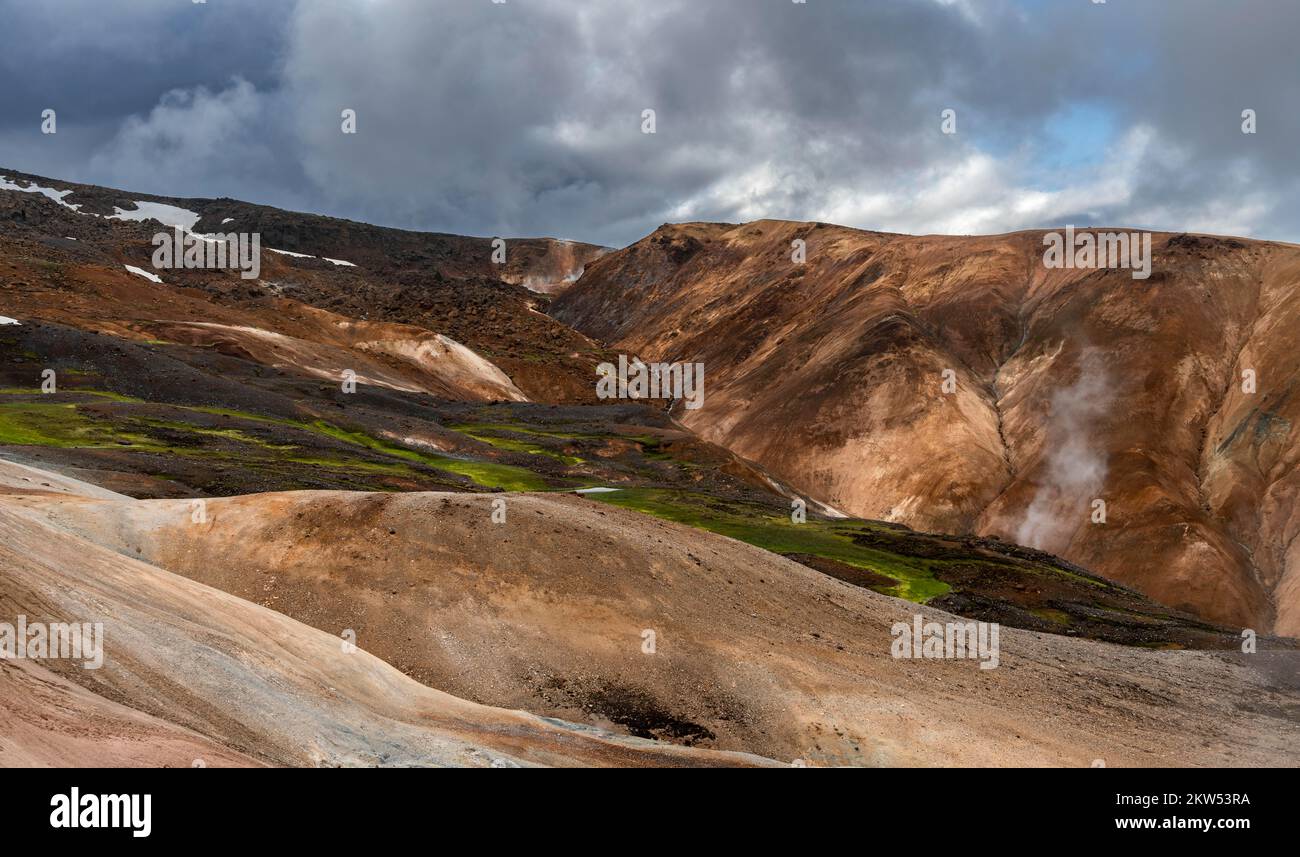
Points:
x=1056, y=617
x=226, y=434
x=915, y=579
x=488, y=474
x=522, y=446
x=493, y=475
x=63, y=425
x=70, y=391
x=474, y=429
x=1064, y=572
x=351, y=465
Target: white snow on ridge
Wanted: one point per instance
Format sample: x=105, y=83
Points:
x=56, y=195
x=168, y=215
x=305, y=256
x=5, y=320
x=143, y=273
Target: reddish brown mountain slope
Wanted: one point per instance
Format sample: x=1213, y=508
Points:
x=64, y=260
x=1072, y=386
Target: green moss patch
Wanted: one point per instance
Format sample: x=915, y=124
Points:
x=912, y=578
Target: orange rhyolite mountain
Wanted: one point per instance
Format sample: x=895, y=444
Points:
x=1068, y=387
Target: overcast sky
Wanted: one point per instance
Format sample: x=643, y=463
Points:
x=525, y=117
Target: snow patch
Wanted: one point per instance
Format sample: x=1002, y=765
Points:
x=5, y=320
x=143, y=273
x=305, y=256
x=167, y=215
x=51, y=193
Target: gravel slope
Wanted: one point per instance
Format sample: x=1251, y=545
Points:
x=753, y=653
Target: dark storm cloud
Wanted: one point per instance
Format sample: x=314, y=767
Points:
x=105, y=59
x=97, y=62
x=525, y=117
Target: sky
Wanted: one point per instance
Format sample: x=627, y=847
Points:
x=526, y=117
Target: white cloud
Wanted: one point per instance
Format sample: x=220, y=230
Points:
x=525, y=119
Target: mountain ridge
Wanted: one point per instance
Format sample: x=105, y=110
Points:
x=894, y=312
x=202, y=450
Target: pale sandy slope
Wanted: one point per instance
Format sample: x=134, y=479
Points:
x=192, y=674
x=546, y=613
x=16, y=478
